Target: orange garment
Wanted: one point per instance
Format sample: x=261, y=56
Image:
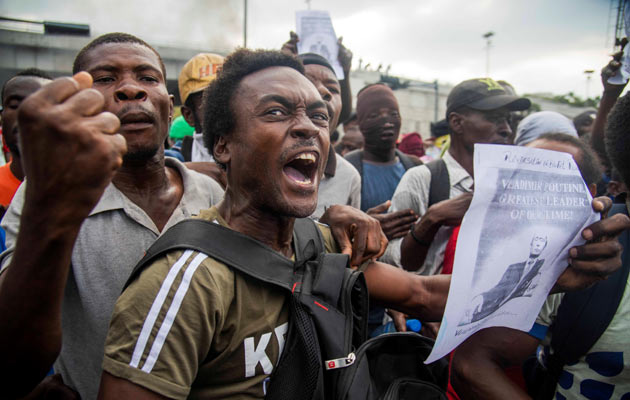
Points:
x=8, y=185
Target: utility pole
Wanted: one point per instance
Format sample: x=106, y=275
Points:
x=308, y=4
x=488, y=36
x=245, y=23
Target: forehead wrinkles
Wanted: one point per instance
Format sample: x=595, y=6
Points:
x=23, y=85
x=255, y=91
x=130, y=54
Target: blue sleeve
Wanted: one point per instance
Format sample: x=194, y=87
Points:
x=3, y=236
x=174, y=154
x=538, y=331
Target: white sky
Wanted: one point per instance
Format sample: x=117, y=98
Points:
x=539, y=45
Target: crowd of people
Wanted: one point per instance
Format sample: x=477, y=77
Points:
x=94, y=179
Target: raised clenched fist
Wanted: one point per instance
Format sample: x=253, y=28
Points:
x=70, y=147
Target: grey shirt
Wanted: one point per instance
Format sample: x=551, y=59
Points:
x=111, y=241
x=413, y=192
x=344, y=187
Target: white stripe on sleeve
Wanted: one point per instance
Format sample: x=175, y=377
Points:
x=172, y=313
x=155, y=308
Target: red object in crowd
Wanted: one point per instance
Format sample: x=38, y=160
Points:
x=411, y=143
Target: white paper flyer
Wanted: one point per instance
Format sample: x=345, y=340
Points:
x=317, y=35
x=528, y=209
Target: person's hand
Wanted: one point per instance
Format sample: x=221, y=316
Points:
x=450, y=212
x=70, y=148
x=52, y=388
x=430, y=329
x=612, y=69
x=399, y=319
x=290, y=47
x=359, y=235
x=211, y=169
x=395, y=224
x=600, y=256
x=344, y=56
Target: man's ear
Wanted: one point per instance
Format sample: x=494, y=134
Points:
x=221, y=150
x=187, y=113
x=171, y=108
x=455, y=123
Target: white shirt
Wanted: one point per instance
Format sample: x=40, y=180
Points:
x=413, y=192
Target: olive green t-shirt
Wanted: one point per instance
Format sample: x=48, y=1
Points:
x=190, y=327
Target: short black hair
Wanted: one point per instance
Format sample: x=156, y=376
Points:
x=589, y=164
x=35, y=72
x=585, y=118
x=618, y=137
x=369, y=86
x=218, y=116
x=115, y=37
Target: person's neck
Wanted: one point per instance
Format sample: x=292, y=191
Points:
x=16, y=167
x=463, y=156
x=263, y=225
x=141, y=177
x=151, y=186
x=379, y=155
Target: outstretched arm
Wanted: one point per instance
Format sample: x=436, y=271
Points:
x=423, y=297
x=70, y=153
x=115, y=388
x=609, y=98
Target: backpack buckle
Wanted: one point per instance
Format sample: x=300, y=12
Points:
x=340, y=362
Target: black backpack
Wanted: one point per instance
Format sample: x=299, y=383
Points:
x=581, y=319
x=325, y=355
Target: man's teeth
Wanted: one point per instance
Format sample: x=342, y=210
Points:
x=306, y=156
x=305, y=181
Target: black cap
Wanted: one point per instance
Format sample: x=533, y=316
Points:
x=312, y=58
x=483, y=94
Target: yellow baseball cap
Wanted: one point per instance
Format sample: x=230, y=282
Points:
x=197, y=73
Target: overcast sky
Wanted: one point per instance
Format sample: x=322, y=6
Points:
x=539, y=45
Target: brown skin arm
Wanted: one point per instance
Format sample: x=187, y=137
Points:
x=423, y=297
x=448, y=212
x=609, y=98
x=478, y=364
x=52, y=387
x=345, y=59
x=63, y=187
x=358, y=235
x=115, y=388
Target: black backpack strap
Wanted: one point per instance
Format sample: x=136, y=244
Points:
x=225, y=245
x=584, y=315
x=440, y=188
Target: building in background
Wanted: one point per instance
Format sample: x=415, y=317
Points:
x=178, y=31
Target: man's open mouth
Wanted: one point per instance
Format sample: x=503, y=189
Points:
x=302, y=168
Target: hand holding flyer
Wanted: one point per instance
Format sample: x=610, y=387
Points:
x=528, y=210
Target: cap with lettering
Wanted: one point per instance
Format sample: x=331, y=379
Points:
x=197, y=73
x=483, y=94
